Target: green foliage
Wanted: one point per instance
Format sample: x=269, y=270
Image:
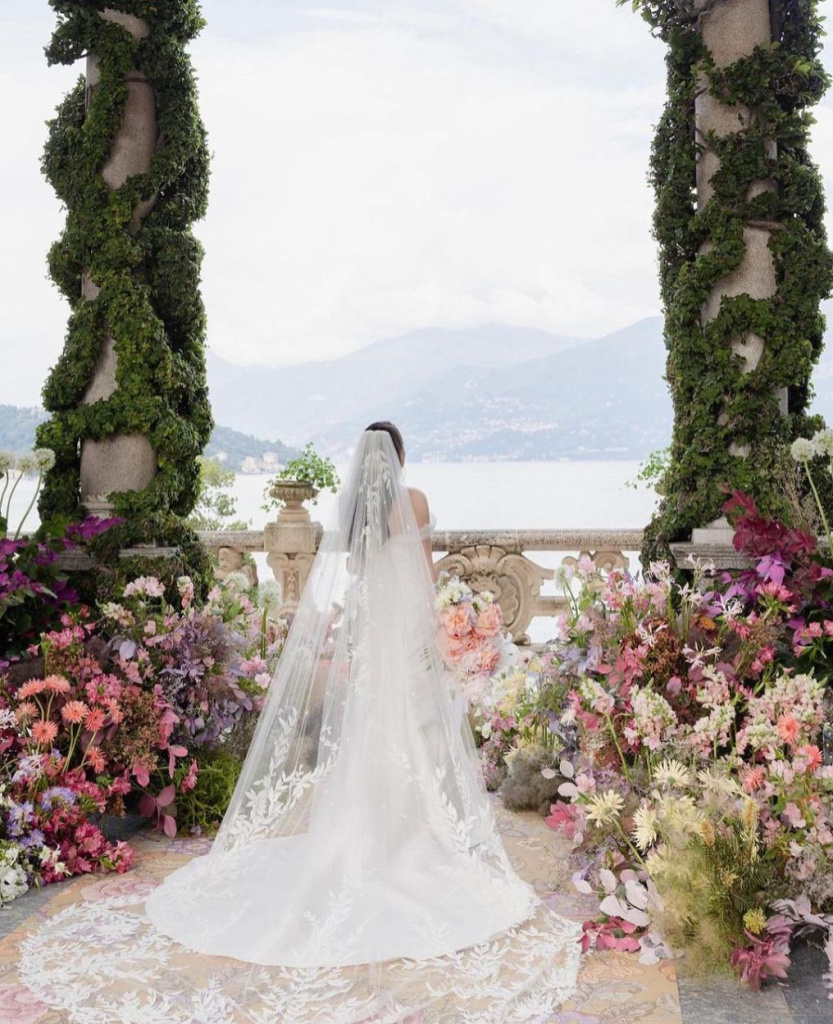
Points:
x=651, y=472
x=308, y=468
x=215, y=507
x=717, y=403
x=148, y=273
x=203, y=806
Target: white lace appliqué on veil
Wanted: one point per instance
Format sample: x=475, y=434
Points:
x=358, y=874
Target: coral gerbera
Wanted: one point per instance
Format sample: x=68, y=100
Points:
x=44, y=731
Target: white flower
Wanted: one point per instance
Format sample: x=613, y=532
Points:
x=27, y=463
x=823, y=440
x=605, y=808
x=803, y=449
x=644, y=827
x=7, y=461
x=45, y=458
x=269, y=594
x=238, y=580
x=486, y=730
x=13, y=881
x=672, y=774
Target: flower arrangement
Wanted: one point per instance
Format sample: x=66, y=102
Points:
x=471, y=636
x=124, y=708
x=695, y=792
x=34, y=591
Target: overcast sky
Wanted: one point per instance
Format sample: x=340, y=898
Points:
x=379, y=166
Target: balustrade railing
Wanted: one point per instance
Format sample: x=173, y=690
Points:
x=495, y=560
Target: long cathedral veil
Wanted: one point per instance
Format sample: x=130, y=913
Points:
x=358, y=874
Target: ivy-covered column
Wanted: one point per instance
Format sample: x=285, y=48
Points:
x=119, y=462
x=744, y=262
x=730, y=31
x=127, y=155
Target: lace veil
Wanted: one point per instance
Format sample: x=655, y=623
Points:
x=358, y=874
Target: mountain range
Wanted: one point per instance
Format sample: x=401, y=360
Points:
x=486, y=393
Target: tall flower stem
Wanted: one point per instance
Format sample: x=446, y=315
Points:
x=619, y=750
x=819, y=505
x=30, y=507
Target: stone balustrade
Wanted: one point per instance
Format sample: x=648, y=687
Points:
x=495, y=560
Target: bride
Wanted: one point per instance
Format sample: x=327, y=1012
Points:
x=358, y=874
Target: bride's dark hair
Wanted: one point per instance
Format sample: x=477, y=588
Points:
x=354, y=515
x=395, y=435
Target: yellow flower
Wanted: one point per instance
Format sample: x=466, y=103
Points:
x=605, y=808
x=755, y=921
x=707, y=832
x=644, y=827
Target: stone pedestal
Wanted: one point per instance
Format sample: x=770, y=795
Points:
x=291, y=542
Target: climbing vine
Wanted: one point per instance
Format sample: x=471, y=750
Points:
x=729, y=429
x=148, y=272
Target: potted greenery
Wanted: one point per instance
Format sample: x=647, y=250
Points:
x=302, y=479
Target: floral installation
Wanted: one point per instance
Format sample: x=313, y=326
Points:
x=119, y=708
x=694, y=788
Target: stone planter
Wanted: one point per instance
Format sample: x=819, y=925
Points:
x=291, y=541
x=293, y=493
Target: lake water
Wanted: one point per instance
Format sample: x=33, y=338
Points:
x=484, y=495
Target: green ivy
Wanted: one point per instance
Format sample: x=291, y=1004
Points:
x=149, y=299
x=716, y=402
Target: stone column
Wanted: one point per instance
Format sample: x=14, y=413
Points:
x=121, y=462
x=732, y=29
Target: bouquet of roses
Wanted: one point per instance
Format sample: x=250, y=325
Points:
x=471, y=636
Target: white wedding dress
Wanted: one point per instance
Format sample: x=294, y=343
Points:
x=358, y=874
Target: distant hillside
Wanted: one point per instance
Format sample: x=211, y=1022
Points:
x=487, y=393
x=308, y=400
x=17, y=434
x=233, y=448
x=17, y=427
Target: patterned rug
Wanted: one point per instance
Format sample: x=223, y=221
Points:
x=614, y=988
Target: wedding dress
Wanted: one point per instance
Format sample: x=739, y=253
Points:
x=358, y=874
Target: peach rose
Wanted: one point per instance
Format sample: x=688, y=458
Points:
x=457, y=647
x=489, y=621
x=487, y=660
x=458, y=620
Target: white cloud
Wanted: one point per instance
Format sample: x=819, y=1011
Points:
x=381, y=167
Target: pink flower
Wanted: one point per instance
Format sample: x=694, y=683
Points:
x=489, y=621
x=753, y=778
x=763, y=958
x=27, y=709
x=96, y=758
x=74, y=711
x=30, y=688
x=94, y=719
x=565, y=817
x=57, y=684
x=788, y=728
x=44, y=731
x=458, y=620
x=811, y=755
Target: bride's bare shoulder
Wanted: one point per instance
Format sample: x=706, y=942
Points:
x=419, y=503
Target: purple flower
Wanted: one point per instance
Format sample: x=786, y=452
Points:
x=60, y=793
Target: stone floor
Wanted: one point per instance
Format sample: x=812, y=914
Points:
x=614, y=988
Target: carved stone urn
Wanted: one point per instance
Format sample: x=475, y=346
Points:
x=291, y=541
